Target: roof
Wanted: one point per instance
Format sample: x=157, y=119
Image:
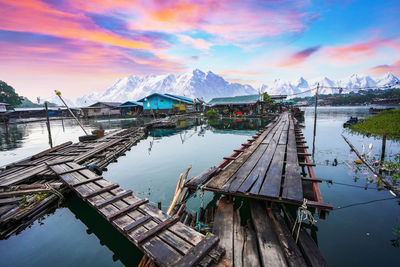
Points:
x=235, y=100
x=5, y=104
x=109, y=104
x=169, y=96
x=131, y=104
x=181, y=97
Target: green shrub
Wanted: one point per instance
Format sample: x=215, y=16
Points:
x=212, y=113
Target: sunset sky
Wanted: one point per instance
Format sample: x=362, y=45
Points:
x=83, y=46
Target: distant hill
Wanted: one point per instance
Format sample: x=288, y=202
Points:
x=26, y=103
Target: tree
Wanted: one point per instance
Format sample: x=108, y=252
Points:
x=8, y=95
x=268, y=102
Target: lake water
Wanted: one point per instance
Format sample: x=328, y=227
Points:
x=357, y=235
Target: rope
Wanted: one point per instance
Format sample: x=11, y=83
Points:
x=302, y=214
x=199, y=224
x=56, y=192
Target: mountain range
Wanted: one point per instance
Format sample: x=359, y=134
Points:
x=208, y=85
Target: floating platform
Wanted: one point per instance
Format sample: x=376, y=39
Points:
x=268, y=167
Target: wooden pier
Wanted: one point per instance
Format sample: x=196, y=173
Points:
x=161, y=237
x=267, y=167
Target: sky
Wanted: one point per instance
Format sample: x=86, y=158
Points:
x=79, y=47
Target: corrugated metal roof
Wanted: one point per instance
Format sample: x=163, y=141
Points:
x=235, y=100
x=110, y=104
x=131, y=104
x=167, y=96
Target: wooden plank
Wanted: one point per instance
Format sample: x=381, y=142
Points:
x=307, y=164
x=230, y=158
x=47, y=151
x=203, y=177
x=292, y=252
x=256, y=177
x=101, y=190
x=127, y=209
x=194, y=255
x=227, y=173
x=237, y=179
x=137, y=223
x=272, y=182
x=223, y=228
x=292, y=186
x=238, y=240
x=310, y=250
x=160, y=227
x=309, y=179
x=250, y=250
x=56, y=162
x=87, y=181
x=72, y=170
x=7, y=201
x=270, y=251
x=113, y=199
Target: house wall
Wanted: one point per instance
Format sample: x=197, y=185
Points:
x=105, y=111
x=159, y=102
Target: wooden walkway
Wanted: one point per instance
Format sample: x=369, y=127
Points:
x=265, y=240
x=269, y=168
x=164, y=239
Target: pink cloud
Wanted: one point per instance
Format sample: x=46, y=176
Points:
x=198, y=43
x=298, y=57
x=393, y=68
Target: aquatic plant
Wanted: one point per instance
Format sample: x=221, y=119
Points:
x=387, y=121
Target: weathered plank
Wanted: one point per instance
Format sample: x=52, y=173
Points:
x=250, y=250
x=127, y=209
x=272, y=182
x=113, y=199
x=160, y=227
x=194, y=255
x=238, y=240
x=87, y=181
x=270, y=251
x=137, y=223
x=101, y=190
x=310, y=250
x=203, y=177
x=223, y=228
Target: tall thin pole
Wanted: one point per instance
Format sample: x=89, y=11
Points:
x=48, y=124
x=58, y=93
x=315, y=120
x=383, y=147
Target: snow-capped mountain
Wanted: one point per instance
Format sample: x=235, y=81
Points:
x=209, y=85
x=355, y=82
x=191, y=84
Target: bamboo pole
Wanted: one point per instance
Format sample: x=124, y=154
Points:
x=392, y=189
x=58, y=93
x=48, y=124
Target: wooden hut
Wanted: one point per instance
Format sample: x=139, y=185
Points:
x=102, y=109
x=130, y=108
x=166, y=104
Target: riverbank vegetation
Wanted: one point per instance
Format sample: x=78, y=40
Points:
x=387, y=121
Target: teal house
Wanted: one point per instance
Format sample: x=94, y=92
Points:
x=166, y=103
x=130, y=108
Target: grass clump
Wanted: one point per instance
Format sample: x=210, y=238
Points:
x=387, y=121
x=212, y=114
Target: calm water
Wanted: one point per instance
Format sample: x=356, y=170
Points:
x=359, y=235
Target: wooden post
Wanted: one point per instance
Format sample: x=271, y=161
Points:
x=315, y=121
x=383, y=147
x=48, y=124
x=159, y=205
x=58, y=93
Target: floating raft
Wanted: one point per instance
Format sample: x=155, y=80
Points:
x=267, y=167
x=163, y=238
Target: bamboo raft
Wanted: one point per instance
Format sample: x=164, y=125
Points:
x=33, y=178
x=267, y=167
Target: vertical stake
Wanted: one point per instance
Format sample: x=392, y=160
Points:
x=48, y=124
x=315, y=121
x=383, y=147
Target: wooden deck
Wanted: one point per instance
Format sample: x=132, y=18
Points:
x=163, y=238
x=265, y=240
x=268, y=167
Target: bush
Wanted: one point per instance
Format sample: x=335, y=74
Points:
x=212, y=113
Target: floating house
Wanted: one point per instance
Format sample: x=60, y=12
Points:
x=102, y=109
x=40, y=112
x=241, y=105
x=130, y=108
x=167, y=104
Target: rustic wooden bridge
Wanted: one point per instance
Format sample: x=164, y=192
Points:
x=267, y=167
